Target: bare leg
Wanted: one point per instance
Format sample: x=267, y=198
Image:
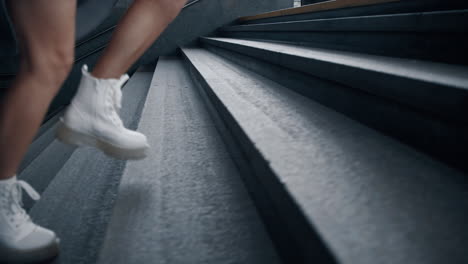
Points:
x=142, y=24
x=45, y=30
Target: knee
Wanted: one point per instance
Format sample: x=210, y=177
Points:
x=56, y=64
x=51, y=67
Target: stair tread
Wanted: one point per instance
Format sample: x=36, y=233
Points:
x=383, y=75
x=443, y=74
x=185, y=203
x=78, y=201
x=371, y=198
x=438, y=21
x=42, y=170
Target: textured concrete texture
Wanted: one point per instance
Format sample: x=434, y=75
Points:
x=442, y=21
x=406, y=122
x=42, y=170
x=186, y=202
x=400, y=35
x=78, y=201
x=370, y=198
x=378, y=75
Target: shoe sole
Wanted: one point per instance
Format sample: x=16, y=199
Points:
x=39, y=255
x=72, y=137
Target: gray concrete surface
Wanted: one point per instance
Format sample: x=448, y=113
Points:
x=186, y=202
x=370, y=198
x=448, y=135
x=43, y=169
x=398, y=35
x=382, y=76
x=421, y=22
x=78, y=201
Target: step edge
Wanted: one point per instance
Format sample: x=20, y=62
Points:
x=411, y=150
x=294, y=207
x=421, y=80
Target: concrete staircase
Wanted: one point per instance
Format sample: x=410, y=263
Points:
x=301, y=140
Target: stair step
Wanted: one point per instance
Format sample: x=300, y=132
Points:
x=349, y=8
x=400, y=35
x=44, y=158
x=78, y=201
x=43, y=169
x=185, y=203
x=366, y=197
x=382, y=76
x=440, y=21
x=417, y=102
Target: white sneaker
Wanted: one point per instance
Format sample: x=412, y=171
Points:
x=22, y=241
x=92, y=119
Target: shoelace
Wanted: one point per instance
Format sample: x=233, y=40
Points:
x=19, y=214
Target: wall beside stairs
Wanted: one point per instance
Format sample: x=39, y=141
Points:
x=203, y=18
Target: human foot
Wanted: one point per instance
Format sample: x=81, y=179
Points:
x=22, y=241
x=92, y=119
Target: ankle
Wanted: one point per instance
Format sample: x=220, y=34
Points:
x=104, y=74
x=8, y=180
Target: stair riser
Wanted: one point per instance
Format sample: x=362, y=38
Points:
x=44, y=159
x=440, y=138
x=447, y=48
x=44, y=168
x=295, y=238
x=445, y=101
x=428, y=22
x=378, y=9
x=437, y=36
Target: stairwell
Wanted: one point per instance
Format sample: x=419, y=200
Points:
x=330, y=136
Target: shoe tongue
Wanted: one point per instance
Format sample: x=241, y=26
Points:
x=117, y=86
x=118, y=97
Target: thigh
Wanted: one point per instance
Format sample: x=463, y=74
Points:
x=43, y=25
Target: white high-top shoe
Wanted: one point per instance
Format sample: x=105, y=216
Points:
x=22, y=241
x=92, y=119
